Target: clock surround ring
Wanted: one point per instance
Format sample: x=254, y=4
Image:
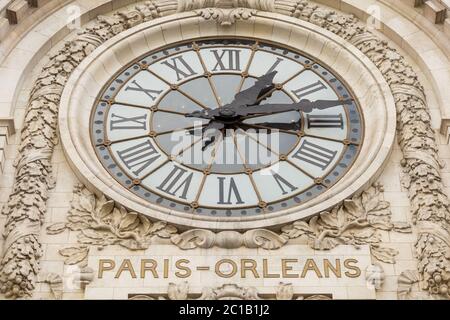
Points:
x=103, y=63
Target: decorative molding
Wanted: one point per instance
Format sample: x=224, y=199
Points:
x=189, y=5
x=55, y=281
x=226, y=12
x=375, y=276
x=33, y=180
x=102, y=223
x=355, y=222
x=408, y=287
x=226, y=17
x=200, y=238
x=228, y=291
x=9, y=124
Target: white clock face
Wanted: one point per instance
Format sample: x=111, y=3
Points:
x=271, y=159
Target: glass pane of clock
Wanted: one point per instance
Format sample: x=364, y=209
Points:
x=226, y=87
x=143, y=89
x=175, y=101
x=201, y=90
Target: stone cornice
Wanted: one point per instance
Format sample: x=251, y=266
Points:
x=9, y=124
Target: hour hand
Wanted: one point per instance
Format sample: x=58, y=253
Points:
x=202, y=114
x=251, y=95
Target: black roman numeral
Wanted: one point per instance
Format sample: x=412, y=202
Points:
x=181, y=67
x=312, y=88
x=149, y=92
x=275, y=65
x=316, y=155
x=139, y=157
x=229, y=59
x=282, y=182
x=325, y=121
x=124, y=123
x=173, y=183
x=232, y=191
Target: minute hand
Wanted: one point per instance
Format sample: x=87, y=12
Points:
x=304, y=105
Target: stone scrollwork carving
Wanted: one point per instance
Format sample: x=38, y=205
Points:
x=355, y=222
x=101, y=223
x=229, y=291
x=258, y=238
x=189, y=5
x=226, y=12
x=55, y=281
x=226, y=17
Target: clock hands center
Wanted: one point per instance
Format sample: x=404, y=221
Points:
x=231, y=115
x=247, y=104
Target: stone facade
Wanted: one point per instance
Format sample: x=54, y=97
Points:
x=40, y=191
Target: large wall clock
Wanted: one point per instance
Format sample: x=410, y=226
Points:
x=228, y=132
x=154, y=126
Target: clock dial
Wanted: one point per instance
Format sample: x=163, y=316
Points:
x=227, y=128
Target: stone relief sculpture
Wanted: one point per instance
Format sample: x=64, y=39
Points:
x=355, y=222
x=33, y=180
x=102, y=222
x=228, y=291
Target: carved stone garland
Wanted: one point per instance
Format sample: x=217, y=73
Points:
x=27, y=203
x=101, y=222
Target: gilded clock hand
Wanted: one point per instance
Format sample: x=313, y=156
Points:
x=304, y=105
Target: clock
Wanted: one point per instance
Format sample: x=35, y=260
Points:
x=227, y=128
x=255, y=125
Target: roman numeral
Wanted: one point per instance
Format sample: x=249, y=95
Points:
x=181, y=67
x=173, y=183
x=124, y=123
x=232, y=192
x=139, y=157
x=282, y=182
x=325, y=121
x=306, y=91
x=316, y=155
x=229, y=59
x=275, y=65
x=149, y=92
